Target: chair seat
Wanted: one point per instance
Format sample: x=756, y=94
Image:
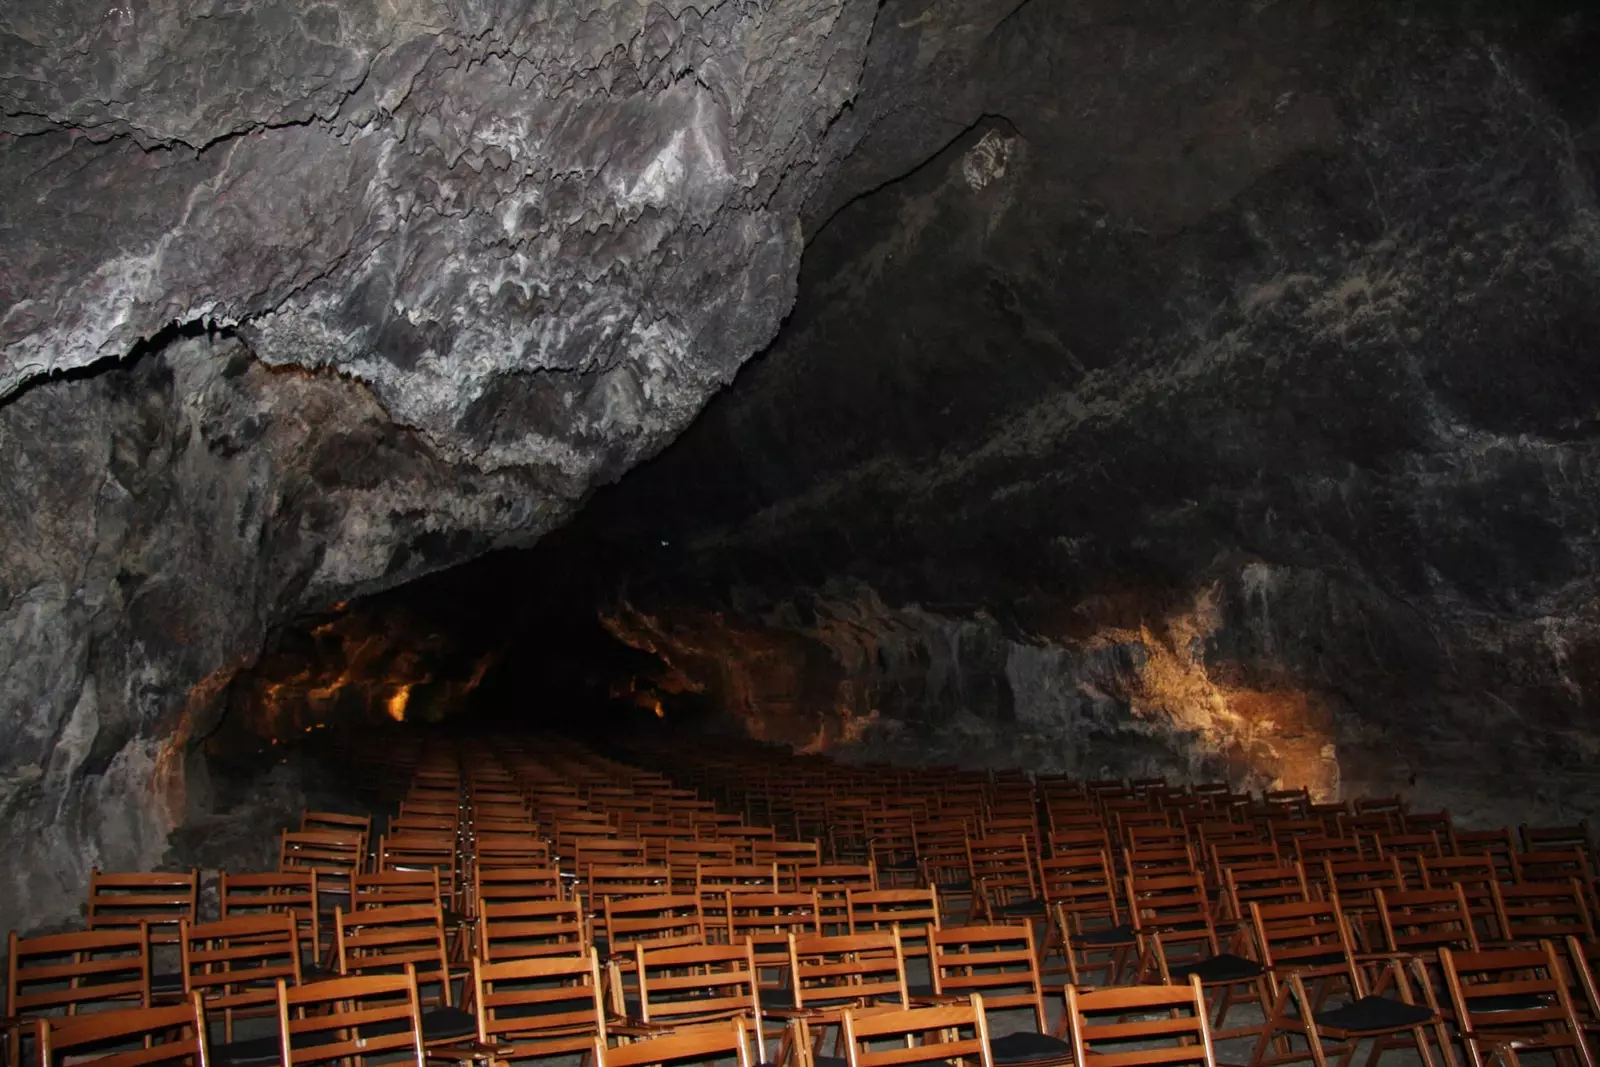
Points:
x=1027, y=1046
x=897, y=865
x=1112, y=935
x=1031, y=907
x=438, y=1024
x=250, y=1051
x=1321, y=959
x=1374, y=1015
x=1224, y=968
x=962, y=885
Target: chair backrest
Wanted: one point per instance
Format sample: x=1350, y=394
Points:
x=1262, y=885
x=1310, y=939
x=767, y=920
x=1176, y=907
x=157, y=901
x=232, y=963
x=272, y=893
x=606, y=882
x=390, y=888
x=865, y=968
x=690, y=983
x=713, y=1041
x=1000, y=962
x=1519, y=992
x=666, y=920
x=523, y=929
x=350, y=1018
x=1178, y=1033
x=912, y=912
x=737, y=877
x=1530, y=911
x=1550, y=864
x=175, y=1034
x=539, y=1007
x=383, y=940
x=502, y=848
x=1423, y=920
x=1001, y=867
x=65, y=973
x=1083, y=886
x=963, y=1033
x=508, y=884
x=334, y=820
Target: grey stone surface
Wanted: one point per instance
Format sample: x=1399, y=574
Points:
x=1218, y=399
x=455, y=264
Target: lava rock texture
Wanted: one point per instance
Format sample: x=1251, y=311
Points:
x=408, y=280
x=1220, y=398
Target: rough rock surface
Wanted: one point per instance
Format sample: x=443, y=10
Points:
x=1219, y=398
x=461, y=262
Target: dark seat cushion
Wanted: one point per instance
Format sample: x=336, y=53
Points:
x=1374, y=1015
x=1321, y=959
x=1111, y=935
x=919, y=989
x=1224, y=968
x=961, y=885
x=265, y=1049
x=905, y=864
x=1029, y=1047
x=830, y=1061
x=438, y=1024
x=1034, y=906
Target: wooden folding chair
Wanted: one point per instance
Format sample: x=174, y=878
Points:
x=1004, y=881
x=63, y=974
x=1002, y=964
x=950, y=1034
x=1510, y=1001
x=234, y=964
x=1169, y=1026
x=350, y=1019
x=535, y=1008
x=1312, y=942
x=174, y=1034
x=830, y=974
x=692, y=984
x=385, y=940
x=1088, y=928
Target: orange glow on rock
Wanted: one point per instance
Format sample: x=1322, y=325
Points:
x=396, y=704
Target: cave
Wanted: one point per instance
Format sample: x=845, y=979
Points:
x=1107, y=390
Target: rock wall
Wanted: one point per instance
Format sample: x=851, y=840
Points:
x=1189, y=693
x=1218, y=397
x=408, y=281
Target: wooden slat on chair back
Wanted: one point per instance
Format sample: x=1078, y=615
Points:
x=1174, y=1016
x=173, y=1034
x=962, y=1028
